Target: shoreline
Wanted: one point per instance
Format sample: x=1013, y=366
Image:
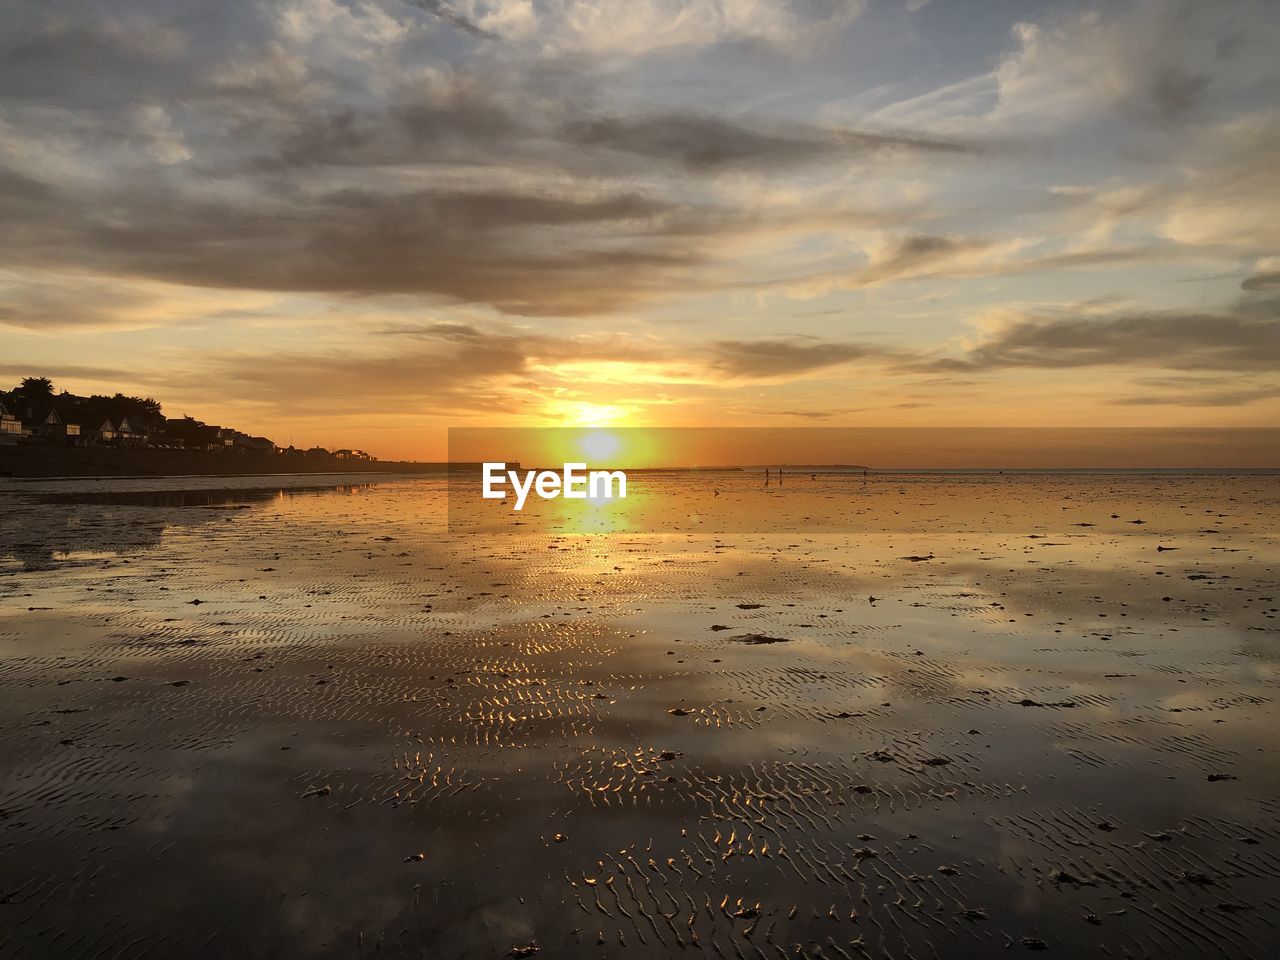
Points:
x=80, y=463
x=101, y=463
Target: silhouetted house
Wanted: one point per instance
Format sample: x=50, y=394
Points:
x=317, y=452
x=48, y=427
x=212, y=439
x=190, y=434
x=105, y=433
x=170, y=435
x=130, y=434
x=11, y=429
x=240, y=442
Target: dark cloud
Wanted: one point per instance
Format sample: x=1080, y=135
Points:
x=706, y=143
x=931, y=256
x=585, y=252
x=280, y=220
x=1175, y=91
x=48, y=58
x=921, y=255
x=1245, y=336
x=765, y=359
x=470, y=116
x=472, y=375
x=1263, y=280
x=784, y=357
x=523, y=253
x=73, y=371
x=802, y=414
x=1225, y=397
x=52, y=306
x=462, y=367
x=463, y=119
x=256, y=150
x=547, y=348
x=24, y=199
x=414, y=368
x=1201, y=390
x=451, y=16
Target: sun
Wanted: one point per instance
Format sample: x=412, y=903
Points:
x=599, y=445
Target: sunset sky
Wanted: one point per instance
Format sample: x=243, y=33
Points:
x=357, y=222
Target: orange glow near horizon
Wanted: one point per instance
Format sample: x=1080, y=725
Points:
x=640, y=448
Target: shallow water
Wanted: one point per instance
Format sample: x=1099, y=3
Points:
x=931, y=716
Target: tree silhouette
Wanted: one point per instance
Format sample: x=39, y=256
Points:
x=35, y=389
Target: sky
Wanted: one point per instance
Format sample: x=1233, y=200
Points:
x=356, y=223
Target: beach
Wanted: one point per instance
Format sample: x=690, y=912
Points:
x=909, y=715
x=53, y=462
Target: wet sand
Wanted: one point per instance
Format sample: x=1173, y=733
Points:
x=37, y=461
x=989, y=713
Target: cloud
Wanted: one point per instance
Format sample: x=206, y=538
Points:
x=461, y=374
x=1200, y=392
x=453, y=17
x=1082, y=61
x=523, y=253
x=1243, y=337
x=311, y=216
x=935, y=256
x=630, y=28
x=707, y=143
x=460, y=368
x=447, y=367
x=339, y=149
x=43, y=307
x=46, y=57
x=68, y=304
x=801, y=414
x=923, y=254
x=784, y=358
x=1221, y=197
x=1136, y=65
x=56, y=371
x=1263, y=280
x=1229, y=194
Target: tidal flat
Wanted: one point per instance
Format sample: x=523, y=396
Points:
x=302, y=717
